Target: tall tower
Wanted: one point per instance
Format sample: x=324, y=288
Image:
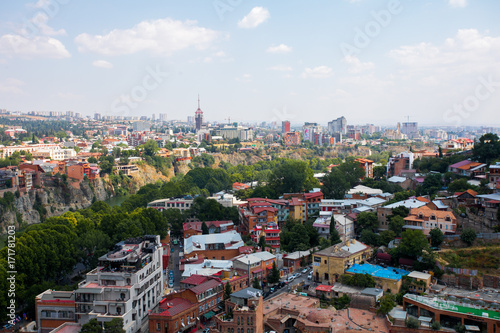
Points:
x=198, y=116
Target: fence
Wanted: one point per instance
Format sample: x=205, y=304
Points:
x=491, y=235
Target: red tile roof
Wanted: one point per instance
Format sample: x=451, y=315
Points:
x=323, y=287
x=205, y=286
x=174, y=306
x=195, y=279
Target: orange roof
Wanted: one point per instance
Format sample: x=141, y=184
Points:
x=469, y=166
x=423, y=199
x=426, y=212
x=471, y=192
x=363, y=160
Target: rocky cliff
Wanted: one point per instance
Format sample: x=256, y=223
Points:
x=59, y=196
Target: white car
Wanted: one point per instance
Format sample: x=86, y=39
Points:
x=310, y=276
x=304, y=271
x=296, y=275
x=291, y=278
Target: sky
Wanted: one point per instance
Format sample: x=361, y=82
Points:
x=435, y=62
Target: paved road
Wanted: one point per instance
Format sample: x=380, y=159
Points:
x=287, y=288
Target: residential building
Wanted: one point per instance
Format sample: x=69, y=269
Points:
x=80, y=170
x=285, y=126
x=258, y=264
x=54, y=308
x=344, y=206
x=419, y=281
x=246, y=307
x=293, y=261
x=385, y=211
x=181, y=311
x=291, y=139
x=367, y=165
x=256, y=211
x=468, y=168
x=362, y=192
x=215, y=246
x=494, y=176
x=270, y=232
x=329, y=264
x=458, y=144
x=127, y=284
x=141, y=126
x=389, y=278
x=426, y=219
x=214, y=227
x=399, y=163
x=235, y=132
x=309, y=130
x=181, y=204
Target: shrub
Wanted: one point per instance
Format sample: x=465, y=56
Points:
x=412, y=323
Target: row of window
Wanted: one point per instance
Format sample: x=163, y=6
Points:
x=241, y=320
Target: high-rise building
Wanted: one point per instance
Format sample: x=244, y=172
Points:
x=141, y=126
x=153, y=117
x=162, y=117
x=198, y=116
x=337, y=126
x=410, y=129
x=309, y=130
x=97, y=116
x=285, y=126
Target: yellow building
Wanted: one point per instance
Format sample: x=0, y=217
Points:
x=419, y=281
x=329, y=264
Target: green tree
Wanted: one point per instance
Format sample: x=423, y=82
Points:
x=369, y=237
x=386, y=237
x=379, y=172
x=367, y=221
x=468, y=236
x=335, y=185
x=487, y=149
x=256, y=283
x=204, y=228
x=92, y=159
x=228, y=290
x=413, y=242
x=396, y=224
x=262, y=242
x=341, y=302
x=114, y=326
x=437, y=237
x=274, y=276
x=149, y=148
x=387, y=303
x=292, y=176
x=91, y=327
x=459, y=328
x=334, y=233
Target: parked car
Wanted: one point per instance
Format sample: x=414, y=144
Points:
x=291, y=278
x=170, y=283
x=281, y=284
x=296, y=275
x=310, y=276
x=305, y=270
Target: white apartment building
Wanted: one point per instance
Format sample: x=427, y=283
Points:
x=126, y=284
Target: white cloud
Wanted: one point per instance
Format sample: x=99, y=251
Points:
x=282, y=48
x=257, y=16
x=219, y=55
x=37, y=25
x=40, y=4
x=356, y=66
x=102, y=64
x=467, y=53
x=317, y=72
x=11, y=86
x=160, y=37
x=457, y=3
x=244, y=78
x=39, y=46
x=280, y=68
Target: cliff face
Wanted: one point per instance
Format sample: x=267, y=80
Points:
x=58, y=197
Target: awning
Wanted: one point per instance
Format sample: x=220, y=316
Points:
x=209, y=315
x=257, y=271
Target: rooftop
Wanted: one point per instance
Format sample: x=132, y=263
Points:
x=343, y=250
x=378, y=271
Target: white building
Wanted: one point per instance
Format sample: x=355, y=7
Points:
x=224, y=241
x=126, y=284
x=181, y=204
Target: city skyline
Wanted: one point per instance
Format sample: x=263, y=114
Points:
x=370, y=61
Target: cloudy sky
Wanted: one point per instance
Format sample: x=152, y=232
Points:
x=436, y=62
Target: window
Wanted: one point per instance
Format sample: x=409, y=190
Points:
x=158, y=327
